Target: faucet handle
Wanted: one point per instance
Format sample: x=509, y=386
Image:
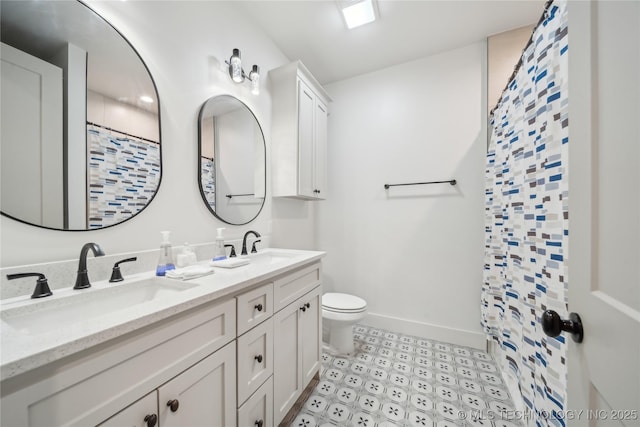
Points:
x=42, y=285
x=233, y=250
x=116, y=274
x=253, y=247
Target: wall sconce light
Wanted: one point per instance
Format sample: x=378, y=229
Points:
x=238, y=75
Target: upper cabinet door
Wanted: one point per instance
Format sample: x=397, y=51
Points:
x=299, y=133
x=320, y=149
x=306, y=136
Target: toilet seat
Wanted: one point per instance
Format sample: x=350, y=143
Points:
x=343, y=303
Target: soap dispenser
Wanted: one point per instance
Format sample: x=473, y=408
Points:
x=165, y=262
x=220, y=252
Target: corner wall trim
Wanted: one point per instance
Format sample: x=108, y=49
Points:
x=427, y=330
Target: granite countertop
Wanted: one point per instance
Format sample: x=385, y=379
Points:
x=24, y=349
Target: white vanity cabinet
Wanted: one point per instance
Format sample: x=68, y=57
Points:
x=299, y=133
x=239, y=359
x=194, y=350
x=297, y=338
x=198, y=396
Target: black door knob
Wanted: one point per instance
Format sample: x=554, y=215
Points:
x=151, y=420
x=258, y=307
x=553, y=325
x=258, y=423
x=303, y=308
x=173, y=405
x=258, y=358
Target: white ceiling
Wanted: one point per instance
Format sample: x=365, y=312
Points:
x=314, y=31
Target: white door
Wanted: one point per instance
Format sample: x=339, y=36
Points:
x=320, y=150
x=604, y=206
x=31, y=137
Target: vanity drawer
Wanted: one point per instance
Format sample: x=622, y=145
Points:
x=259, y=407
x=255, y=359
x=254, y=307
x=292, y=286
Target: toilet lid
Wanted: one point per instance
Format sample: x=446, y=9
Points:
x=343, y=302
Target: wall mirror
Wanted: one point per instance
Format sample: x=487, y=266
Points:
x=231, y=153
x=80, y=122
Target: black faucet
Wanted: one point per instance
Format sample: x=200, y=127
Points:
x=42, y=285
x=82, y=280
x=244, y=240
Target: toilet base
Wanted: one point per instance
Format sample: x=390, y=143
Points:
x=341, y=337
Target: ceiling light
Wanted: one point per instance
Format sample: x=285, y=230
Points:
x=357, y=13
x=147, y=99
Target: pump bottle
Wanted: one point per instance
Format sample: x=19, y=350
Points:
x=165, y=262
x=220, y=252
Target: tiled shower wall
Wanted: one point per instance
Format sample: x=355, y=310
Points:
x=526, y=219
x=123, y=174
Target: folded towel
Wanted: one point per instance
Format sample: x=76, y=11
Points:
x=190, y=272
x=230, y=262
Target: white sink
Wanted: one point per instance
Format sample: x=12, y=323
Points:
x=81, y=306
x=271, y=256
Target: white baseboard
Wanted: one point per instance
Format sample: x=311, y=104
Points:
x=427, y=330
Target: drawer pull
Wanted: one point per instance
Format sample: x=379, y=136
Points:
x=173, y=405
x=151, y=420
x=259, y=423
x=258, y=358
x=258, y=307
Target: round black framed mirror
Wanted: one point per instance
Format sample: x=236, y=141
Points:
x=231, y=160
x=80, y=119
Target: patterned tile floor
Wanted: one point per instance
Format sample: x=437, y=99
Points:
x=400, y=380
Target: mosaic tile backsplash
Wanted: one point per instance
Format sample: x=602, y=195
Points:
x=526, y=219
x=401, y=380
x=123, y=175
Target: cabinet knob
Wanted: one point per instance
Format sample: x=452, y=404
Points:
x=258, y=358
x=151, y=420
x=307, y=305
x=303, y=308
x=258, y=307
x=259, y=423
x=173, y=405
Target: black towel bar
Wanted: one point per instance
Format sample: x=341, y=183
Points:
x=451, y=181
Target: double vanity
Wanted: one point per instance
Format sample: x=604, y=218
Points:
x=236, y=347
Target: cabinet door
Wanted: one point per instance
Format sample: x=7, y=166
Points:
x=143, y=413
x=205, y=393
x=306, y=134
x=320, y=150
x=311, y=333
x=287, y=381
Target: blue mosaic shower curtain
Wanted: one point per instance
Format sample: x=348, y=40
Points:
x=526, y=220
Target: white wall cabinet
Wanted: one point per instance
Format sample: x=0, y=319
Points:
x=297, y=338
x=299, y=133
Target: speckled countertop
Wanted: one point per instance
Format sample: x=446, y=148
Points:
x=26, y=348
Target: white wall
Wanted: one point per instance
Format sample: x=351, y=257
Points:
x=184, y=44
x=414, y=253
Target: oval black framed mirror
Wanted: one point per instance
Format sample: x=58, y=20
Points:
x=80, y=119
x=231, y=160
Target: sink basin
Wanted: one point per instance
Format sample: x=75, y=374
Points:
x=86, y=305
x=270, y=256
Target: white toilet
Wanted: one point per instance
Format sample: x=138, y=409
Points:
x=340, y=312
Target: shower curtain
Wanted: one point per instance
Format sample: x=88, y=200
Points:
x=526, y=221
